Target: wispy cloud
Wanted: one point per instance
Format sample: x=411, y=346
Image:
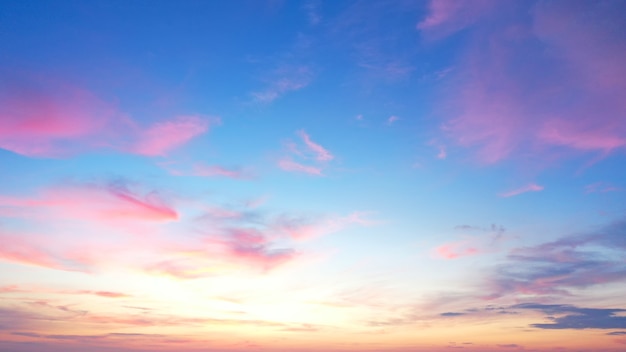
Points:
x=288, y=164
x=528, y=188
x=107, y=203
x=200, y=169
x=392, y=119
x=301, y=228
x=58, y=119
x=283, y=80
x=601, y=187
x=23, y=289
x=510, y=345
x=59, y=215
x=308, y=152
x=456, y=250
x=18, y=250
x=162, y=137
x=321, y=153
x=442, y=152
x=472, y=245
x=513, y=97
x=448, y=16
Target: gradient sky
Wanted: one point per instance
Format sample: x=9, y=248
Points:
x=393, y=176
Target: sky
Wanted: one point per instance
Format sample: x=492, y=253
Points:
x=307, y=176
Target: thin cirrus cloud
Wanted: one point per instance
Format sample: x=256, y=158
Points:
x=283, y=80
x=309, y=152
x=601, y=187
x=45, y=118
x=162, y=137
x=108, y=203
x=456, y=250
x=448, y=16
x=20, y=251
x=289, y=164
x=544, y=82
x=321, y=153
x=58, y=216
x=487, y=241
x=200, y=169
x=305, y=228
x=528, y=188
x=392, y=119
x=18, y=289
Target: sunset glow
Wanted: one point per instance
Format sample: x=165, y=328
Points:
x=312, y=176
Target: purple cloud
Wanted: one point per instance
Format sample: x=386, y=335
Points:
x=571, y=262
x=572, y=317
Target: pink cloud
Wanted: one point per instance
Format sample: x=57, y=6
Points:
x=231, y=245
x=45, y=118
x=40, y=122
x=11, y=289
x=13, y=251
x=126, y=230
x=164, y=136
x=448, y=16
x=115, y=218
x=299, y=228
x=106, y=204
x=221, y=250
x=321, y=153
x=289, y=165
x=179, y=269
x=529, y=188
x=105, y=294
x=456, y=250
x=310, y=150
x=514, y=98
x=582, y=136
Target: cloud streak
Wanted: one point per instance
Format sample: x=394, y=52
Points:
x=321, y=153
x=310, y=152
x=163, y=137
x=528, y=188
x=293, y=166
x=284, y=80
